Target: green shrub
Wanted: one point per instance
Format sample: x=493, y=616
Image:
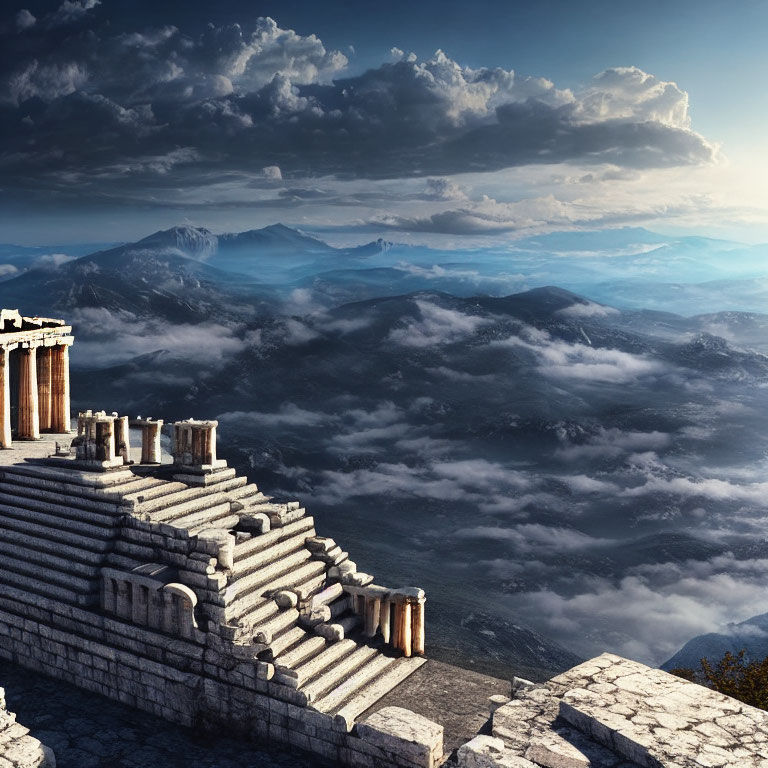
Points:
x=734, y=676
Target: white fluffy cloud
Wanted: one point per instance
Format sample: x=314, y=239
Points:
x=582, y=362
x=248, y=98
x=111, y=338
x=436, y=325
x=652, y=611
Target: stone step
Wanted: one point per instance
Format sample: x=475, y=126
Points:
x=286, y=516
x=149, y=497
x=302, y=673
x=33, y=586
x=29, y=540
x=74, y=483
x=19, y=487
x=225, y=523
x=49, y=575
x=213, y=477
x=204, y=515
x=313, y=583
x=257, y=543
x=123, y=562
x=54, y=533
x=58, y=510
x=132, y=549
x=262, y=557
x=329, y=678
x=79, y=482
x=263, y=609
x=282, y=621
x=30, y=584
x=180, y=494
x=48, y=561
x=367, y=696
x=351, y=684
x=243, y=586
x=306, y=648
x=311, y=572
x=253, y=602
x=254, y=495
x=20, y=511
x=286, y=640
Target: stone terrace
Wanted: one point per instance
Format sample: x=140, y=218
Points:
x=613, y=713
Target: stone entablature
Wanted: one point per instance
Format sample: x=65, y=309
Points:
x=40, y=349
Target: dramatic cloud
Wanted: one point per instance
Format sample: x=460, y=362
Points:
x=83, y=106
x=534, y=538
x=289, y=415
x=652, y=611
x=110, y=338
x=436, y=325
x=477, y=481
x=583, y=362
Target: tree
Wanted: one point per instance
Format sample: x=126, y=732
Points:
x=733, y=675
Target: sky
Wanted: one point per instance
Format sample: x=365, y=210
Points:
x=443, y=123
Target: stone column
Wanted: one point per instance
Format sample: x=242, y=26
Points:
x=405, y=628
x=418, y=626
x=384, y=617
x=206, y=443
x=60, y=388
x=5, y=398
x=105, y=438
x=44, y=369
x=372, y=615
x=194, y=443
x=150, y=441
x=29, y=416
x=122, y=438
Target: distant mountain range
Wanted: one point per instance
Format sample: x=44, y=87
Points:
x=750, y=636
x=624, y=267
x=486, y=423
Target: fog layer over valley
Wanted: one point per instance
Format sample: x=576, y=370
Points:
x=565, y=469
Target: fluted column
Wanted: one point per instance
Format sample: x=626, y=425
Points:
x=418, y=626
x=150, y=440
x=44, y=358
x=5, y=398
x=60, y=388
x=29, y=416
x=122, y=438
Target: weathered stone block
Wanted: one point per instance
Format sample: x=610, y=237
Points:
x=403, y=732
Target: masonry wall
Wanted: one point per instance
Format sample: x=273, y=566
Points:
x=193, y=684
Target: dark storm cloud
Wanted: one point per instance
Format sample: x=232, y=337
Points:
x=81, y=104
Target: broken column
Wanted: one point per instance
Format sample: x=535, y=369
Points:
x=29, y=415
x=60, y=405
x=96, y=438
x=194, y=443
x=150, y=440
x=122, y=438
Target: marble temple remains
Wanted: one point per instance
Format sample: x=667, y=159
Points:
x=164, y=580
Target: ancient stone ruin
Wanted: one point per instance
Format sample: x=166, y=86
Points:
x=160, y=578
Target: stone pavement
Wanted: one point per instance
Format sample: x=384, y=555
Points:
x=614, y=713
x=88, y=731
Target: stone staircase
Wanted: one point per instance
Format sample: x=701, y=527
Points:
x=55, y=534
x=60, y=526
